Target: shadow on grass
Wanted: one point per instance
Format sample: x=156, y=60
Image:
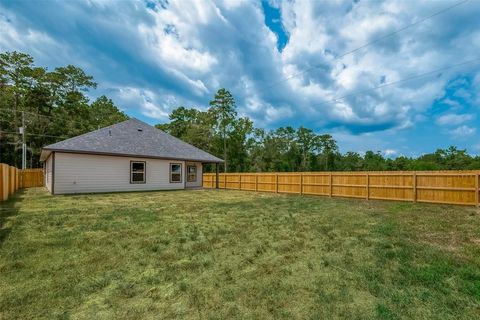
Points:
x=8, y=209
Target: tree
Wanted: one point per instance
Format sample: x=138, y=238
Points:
x=289, y=150
x=223, y=109
x=73, y=79
x=351, y=161
x=15, y=75
x=308, y=142
x=104, y=113
x=374, y=161
x=181, y=119
x=54, y=104
x=56, y=107
x=329, y=149
x=237, y=147
x=192, y=126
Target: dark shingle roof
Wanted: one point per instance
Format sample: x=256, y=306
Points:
x=134, y=138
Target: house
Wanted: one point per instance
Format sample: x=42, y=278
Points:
x=127, y=156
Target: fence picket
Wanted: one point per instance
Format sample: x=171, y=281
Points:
x=13, y=179
x=367, y=176
x=453, y=187
x=477, y=192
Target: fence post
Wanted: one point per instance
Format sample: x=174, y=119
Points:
x=330, y=185
x=256, y=182
x=301, y=183
x=477, y=190
x=368, y=185
x=10, y=181
x=276, y=182
x=2, y=184
x=414, y=181
x=239, y=182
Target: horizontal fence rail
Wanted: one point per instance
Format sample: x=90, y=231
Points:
x=12, y=179
x=448, y=187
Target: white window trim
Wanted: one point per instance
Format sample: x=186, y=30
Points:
x=171, y=172
x=144, y=172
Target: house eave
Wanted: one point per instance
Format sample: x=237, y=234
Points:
x=47, y=151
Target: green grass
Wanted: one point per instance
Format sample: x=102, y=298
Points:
x=210, y=254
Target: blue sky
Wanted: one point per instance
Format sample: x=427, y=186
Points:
x=152, y=56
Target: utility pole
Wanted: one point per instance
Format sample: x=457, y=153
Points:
x=24, y=146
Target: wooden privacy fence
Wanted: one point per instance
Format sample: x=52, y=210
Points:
x=12, y=179
x=449, y=187
x=31, y=178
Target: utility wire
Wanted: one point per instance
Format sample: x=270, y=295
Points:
x=33, y=134
x=414, y=77
x=39, y=115
x=371, y=42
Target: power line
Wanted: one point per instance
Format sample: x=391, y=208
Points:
x=33, y=134
x=371, y=42
x=401, y=80
x=40, y=115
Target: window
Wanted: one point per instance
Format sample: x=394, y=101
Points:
x=175, y=172
x=191, y=173
x=137, y=172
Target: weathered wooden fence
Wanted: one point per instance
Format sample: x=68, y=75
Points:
x=12, y=179
x=449, y=187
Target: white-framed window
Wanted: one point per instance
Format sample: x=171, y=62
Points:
x=191, y=173
x=137, y=171
x=175, y=172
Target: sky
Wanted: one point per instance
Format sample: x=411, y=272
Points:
x=283, y=61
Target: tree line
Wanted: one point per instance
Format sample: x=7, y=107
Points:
x=52, y=104
x=55, y=106
x=220, y=131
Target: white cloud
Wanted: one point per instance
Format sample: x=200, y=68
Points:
x=462, y=131
x=147, y=101
x=452, y=119
x=155, y=60
x=390, y=152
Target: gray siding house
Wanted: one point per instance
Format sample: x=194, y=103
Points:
x=127, y=156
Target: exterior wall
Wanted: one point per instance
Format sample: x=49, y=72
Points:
x=85, y=173
x=48, y=172
x=199, y=182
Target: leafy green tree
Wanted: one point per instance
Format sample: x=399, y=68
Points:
x=242, y=128
x=15, y=81
x=192, y=126
x=56, y=107
x=289, y=152
x=350, y=161
x=374, y=161
x=72, y=79
x=400, y=163
x=223, y=109
x=329, y=150
x=104, y=113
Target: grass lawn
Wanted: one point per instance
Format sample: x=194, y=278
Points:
x=208, y=254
